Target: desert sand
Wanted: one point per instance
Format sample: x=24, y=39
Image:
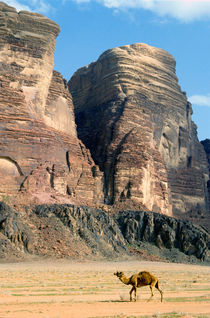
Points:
x=61, y=288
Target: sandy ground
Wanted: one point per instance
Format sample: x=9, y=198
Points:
x=55, y=289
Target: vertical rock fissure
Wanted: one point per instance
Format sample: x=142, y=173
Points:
x=110, y=172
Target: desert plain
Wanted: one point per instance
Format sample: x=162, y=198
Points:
x=61, y=289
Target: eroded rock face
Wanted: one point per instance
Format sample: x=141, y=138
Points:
x=94, y=228
x=41, y=158
x=136, y=121
x=15, y=234
x=82, y=232
x=27, y=47
x=132, y=118
x=164, y=232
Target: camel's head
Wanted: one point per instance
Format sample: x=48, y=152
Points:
x=119, y=274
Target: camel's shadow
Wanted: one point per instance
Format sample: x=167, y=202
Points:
x=124, y=301
x=115, y=301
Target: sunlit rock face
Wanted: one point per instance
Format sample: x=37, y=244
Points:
x=41, y=157
x=27, y=46
x=131, y=115
x=136, y=121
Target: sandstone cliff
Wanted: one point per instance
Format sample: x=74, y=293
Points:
x=41, y=158
x=136, y=121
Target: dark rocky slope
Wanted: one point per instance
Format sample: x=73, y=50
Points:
x=164, y=232
x=16, y=238
x=80, y=232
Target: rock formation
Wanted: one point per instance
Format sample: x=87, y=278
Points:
x=136, y=121
x=164, y=232
x=15, y=235
x=84, y=232
x=91, y=229
x=41, y=158
x=138, y=148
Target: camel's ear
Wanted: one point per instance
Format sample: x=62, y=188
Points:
x=117, y=273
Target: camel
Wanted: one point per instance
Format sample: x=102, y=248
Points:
x=139, y=280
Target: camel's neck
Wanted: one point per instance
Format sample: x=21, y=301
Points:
x=124, y=280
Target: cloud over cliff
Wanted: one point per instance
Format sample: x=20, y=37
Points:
x=30, y=5
x=182, y=10
x=200, y=100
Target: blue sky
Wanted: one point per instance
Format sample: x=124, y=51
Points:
x=182, y=27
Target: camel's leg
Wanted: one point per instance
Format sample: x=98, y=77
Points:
x=152, y=285
x=131, y=291
x=160, y=291
x=152, y=293
x=135, y=292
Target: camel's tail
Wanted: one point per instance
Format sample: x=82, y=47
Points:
x=157, y=285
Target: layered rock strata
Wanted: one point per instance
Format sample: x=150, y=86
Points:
x=132, y=118
x=136, y=121
x=41, y=158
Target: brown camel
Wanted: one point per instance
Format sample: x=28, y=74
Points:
x=139, y=280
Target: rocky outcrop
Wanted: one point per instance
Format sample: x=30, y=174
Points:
x=59, y=231
x=93, y=228
x=83, y=232
x=136, y=121
x=41, y=158
x=15, y=235
x=164, y=232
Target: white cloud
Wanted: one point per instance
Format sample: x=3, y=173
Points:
x=200, y=100
x=30, y=5
x=82, y=1
x=183, y=10
x=17, y=5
